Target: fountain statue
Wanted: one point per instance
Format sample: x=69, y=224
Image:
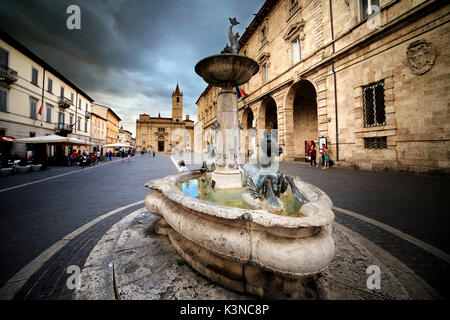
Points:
x=266, y=184
x=248, y=228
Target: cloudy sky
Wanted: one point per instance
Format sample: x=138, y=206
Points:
x=129, y=54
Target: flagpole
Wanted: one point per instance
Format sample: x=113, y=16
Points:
x=43, y=92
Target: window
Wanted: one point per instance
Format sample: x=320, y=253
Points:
x=61, y=118
x=71, y=119
x=2, y=132
x=375, y=143
x=365, y=7
x=3, y=99
x=296, y=51
x=50, y=85
x=79, y=104
x=33, y=105
x=34, y=75
x=86, y=106
x=79, y=123
x=4, y=58
x=71, y=97
x=49, y=113
x=373, y=103
x=265, y=73
x=32, y=134
x=85, y=126
x=161, y=129
x=62, y=92
x=263, y=33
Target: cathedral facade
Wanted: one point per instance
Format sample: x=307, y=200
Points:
x=166, y=134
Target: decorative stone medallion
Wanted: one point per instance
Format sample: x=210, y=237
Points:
x=421, y=56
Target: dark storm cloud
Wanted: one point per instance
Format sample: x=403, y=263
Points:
x=128, y=54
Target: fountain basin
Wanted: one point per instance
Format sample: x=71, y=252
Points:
x=224, y=70
x=249, y=251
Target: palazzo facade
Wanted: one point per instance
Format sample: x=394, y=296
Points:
x=369, y=77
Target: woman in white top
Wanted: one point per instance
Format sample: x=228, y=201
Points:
x=182, y=166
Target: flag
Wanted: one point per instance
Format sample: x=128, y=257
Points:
x=243, y=92
x=74, y=124
x=240, y=92
x=40, y=110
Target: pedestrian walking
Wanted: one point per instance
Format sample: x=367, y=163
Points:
x=129, y=155
x=149, y=153
x=312, y=155
x=154, y=153
x=110, y=155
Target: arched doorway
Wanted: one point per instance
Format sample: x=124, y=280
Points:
x=247, y=122
x=303, y=98
x=268, y=114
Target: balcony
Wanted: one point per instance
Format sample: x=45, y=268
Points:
x=7, y=75
x=87, y=114
x=64, y=103
x=62, y=129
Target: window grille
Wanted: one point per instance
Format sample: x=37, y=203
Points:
x=375, y=143
x=374, y=108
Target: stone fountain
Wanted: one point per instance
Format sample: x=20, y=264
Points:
x=250, y=247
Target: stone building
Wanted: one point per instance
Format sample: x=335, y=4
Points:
x=125, y=136
x=111, y=123
x=98, y=131
x=166, y=134
x=36, y=99
x=369, y=76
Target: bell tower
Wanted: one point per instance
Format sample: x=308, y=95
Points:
x=177, y=105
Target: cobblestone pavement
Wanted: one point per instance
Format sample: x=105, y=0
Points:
x=49, y=282
x=36, y=216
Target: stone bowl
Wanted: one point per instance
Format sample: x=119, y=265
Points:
x=36, y=167
x=24, y=169
x=4, y=172
x=225, y=70
x=248, y=251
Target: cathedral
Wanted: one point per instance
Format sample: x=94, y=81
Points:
x=166, y=134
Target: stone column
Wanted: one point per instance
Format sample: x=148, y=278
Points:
x=227, y=140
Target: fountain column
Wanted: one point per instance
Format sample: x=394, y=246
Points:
x=227, y=140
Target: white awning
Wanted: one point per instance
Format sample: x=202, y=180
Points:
x=54, y=139
x=117, y=145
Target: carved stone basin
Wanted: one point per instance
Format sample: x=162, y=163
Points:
x=226, y=70
x=249, y=251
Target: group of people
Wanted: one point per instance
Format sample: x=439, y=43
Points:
x=326, y=156
x=124, y=154
x=150, y=153
x=74, y=157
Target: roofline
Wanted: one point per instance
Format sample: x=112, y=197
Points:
x=262, y=13
x=21, y=48
x=204, y=93
x=114, y=113
x=98, y=116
